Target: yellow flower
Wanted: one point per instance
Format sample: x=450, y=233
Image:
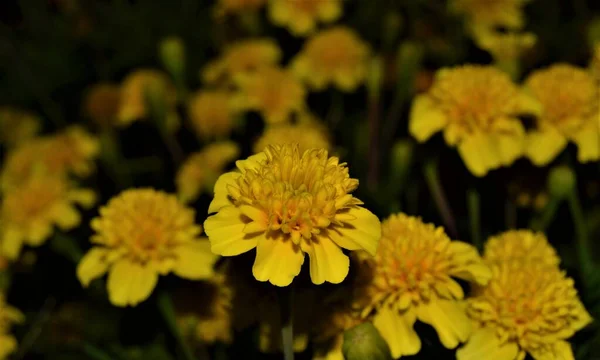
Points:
x=300, y=17
x=285, y=203
x=477, y=108
x=225, y=7
x=200, y=171
x=102, y=102
x=211, y=113
x=8, y=316
x=17, y=126
x=272, y=92
x=335, y=56
x=242, y=58
x=524, y=246
x=413, y=280
x=570, y=112
x=308, y=133
x=504, y=46
x=491, y=13
x=141, y=234
x=29, y=212
x=524, y=309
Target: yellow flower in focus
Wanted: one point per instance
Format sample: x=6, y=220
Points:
x=225, y=7
x=211, y=114
x=8, y=317
x=570, y=112
x=524, y=309
x=522, y=246
x=476, y=107
x=29, y=212
x=413, y=280
x=272, y=92
x=300, y=17
x=285, y=203
x=101, y=104
x=141, y=234
x=17, y=126
x=200, y=171
x=335, y=56
x=491, y=13
x=307, y=133
x=242, y=58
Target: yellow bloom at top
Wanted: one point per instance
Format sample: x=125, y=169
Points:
x=477, y=108
x=308, y=133
x=570, y=112
x=139, y=235
x=275, y=93
x=101, y=104
x=300, y=17
x=225, y=7
x=211, y=113
x=8, y=316
x=17, y=126
x=200, y=171
x=29, y=212
x=285, y=203
x=505, y=46
x=242, y=58
x=522, y=246
x=530, y=309
x=335, y=56
x=491, y=13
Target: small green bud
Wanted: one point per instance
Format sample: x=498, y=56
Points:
x=375, y=77
x=363, y=342
x=393, y=23
x=400, y=162
x=172, y=55
x=561, y=181
x=408, y=64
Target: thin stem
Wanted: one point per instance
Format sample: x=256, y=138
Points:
x=373, y=115
x=583, y=244
x=286, y=302
x=336, y=109
x=165, y=306
x=510, y=215
x=543, y=221
x=474, y=207
x=433, y=182
x=36, y=327
x=95, y=353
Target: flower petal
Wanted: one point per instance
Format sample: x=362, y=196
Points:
x=130, y=283
x=12, y=243
x=93, y=265
x=480, y=154
x=425, y=118
x=194, y=260
x=278, y=260
x=225, y=231
x=252, y=162
x=588, y=143
x=397, y=330
x=484, y=344
x=67, y=217
x=448, y=318
x=221, y=197
x=544, y=146
x=361, y=233
x=327, y=261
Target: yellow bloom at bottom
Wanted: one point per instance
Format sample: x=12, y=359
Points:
x=8, y=316
x=141, y=234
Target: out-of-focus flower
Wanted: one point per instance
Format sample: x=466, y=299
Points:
x=570, y=112
x=285, y=203
x=505, y=46
x=495, y=13
x=102, y=103
x=8, y=317
x=335, y=56
x=242, y=58
x=200, y=171
x=17, y=126
x=308, y=133
x=141, y=234
x=521, y=246
x=225, y=7
x=413, y=280
x=300, y=17
x=476, y=107
x=29, y=212
x=530, y=309
x=211, y=113
x=275, y=93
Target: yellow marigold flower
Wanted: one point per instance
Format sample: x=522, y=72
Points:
x=506, y=13
x=413, y=280
x=285, y=203
x=8, y=316
x=275, y=93
x=211, y=113
x=307, y=133
x=141, y=234
x=335, y=56
x=524, y=309
x=101, y=104
x=570, y=112
x=29, y=212
x=200, y=171
x=300, y=17
x=17, y=126
x=242, y=58
x=477, y=108
x=523, y=246
x=225, y=7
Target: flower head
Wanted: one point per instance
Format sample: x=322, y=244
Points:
x=300, y=17
x=102, y=103
x=491, y=13
x=225, y=7
x=17, y=126
x=8, y=317
x=524, y=309
x=570, y=112
x=308, y=133
x=141, y=234
x=211, y=113
x=285, y=203
x=200, y=171
x=477, y=108
x=335, y=56
x=413, y=279
x=523, y=246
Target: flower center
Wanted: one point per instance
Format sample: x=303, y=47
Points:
x=26, y=204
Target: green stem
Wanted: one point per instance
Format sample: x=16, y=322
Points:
x=474, y=207
x=543, y=221
x=165, y=306
x=583, y=247
x=437, y=192
x=66, y=246
x=286, y=302
x=95, y=353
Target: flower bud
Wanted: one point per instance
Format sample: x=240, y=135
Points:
x=172, y=55
x=561, y=181
x=363, y=342
x=375, y=77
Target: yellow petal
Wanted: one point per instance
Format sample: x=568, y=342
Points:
x=327, y=261
x=93, y=265
x=38, y=233
x=425, y=119
x=8, y=345
x=588, y=143
x=221, y=197
x=544, y=146
x=130, y=283
x=278, y=260
x=12, y=243
x=329, y=11
x=225, y=231
x=449, y=320
x=361, y=233
x=397, y=330
x=194, y=260
x=252, y=162
x=510, y=147
x=480, y=154
x=484, y=344
x=68, y=217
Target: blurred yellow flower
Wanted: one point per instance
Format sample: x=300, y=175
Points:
x=29, y=212
x=491, y=13
x=570, y=112
x=242, y=58
x=275, y=93
x=523, y=246
x=285, y=203
x=300, y=17
x=17, y=126
x=211, y=114
x=413, y=280
x=476, y=107
x=141, y=234
x=530, y=309
x=8, y=317
x=505, y=46
x=308, y=133
x=336, y=56
x=101, y=104
x=224, y=7
x=200, y=171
